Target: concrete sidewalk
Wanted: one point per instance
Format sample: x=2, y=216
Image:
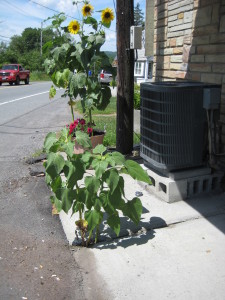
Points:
x=176, y=252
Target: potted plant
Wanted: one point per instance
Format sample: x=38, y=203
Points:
x=72, y=62
x=93, y=184
x=81, y=125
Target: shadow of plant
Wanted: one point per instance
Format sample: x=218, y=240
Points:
x=130, y=234
x=127, y=241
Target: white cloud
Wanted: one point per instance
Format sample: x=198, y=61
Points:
x=110, y=36
x=67, y=7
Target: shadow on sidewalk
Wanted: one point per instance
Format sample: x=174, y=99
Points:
x=130, y=234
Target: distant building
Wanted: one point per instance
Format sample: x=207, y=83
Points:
x=143, y=64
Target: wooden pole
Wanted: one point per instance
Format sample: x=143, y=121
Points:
x=125, y=77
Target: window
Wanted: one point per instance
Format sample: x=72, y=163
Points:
x=150, y=70
x=138, y=68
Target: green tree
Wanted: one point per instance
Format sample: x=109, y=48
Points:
x=31, y=39
x=25, y=48
x=138, y=16
x=10, y=56
x=3, y=49
x=17, y=45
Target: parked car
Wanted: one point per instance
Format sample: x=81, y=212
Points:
x=14, y=73
x=105, y=77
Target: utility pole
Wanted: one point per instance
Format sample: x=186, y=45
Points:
x=125, y=77
x=41, y=37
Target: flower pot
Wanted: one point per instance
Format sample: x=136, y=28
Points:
x=96, y=139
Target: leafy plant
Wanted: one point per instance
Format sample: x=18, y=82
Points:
x=69, y=64
x=110, y=109
x=93, y=184
x=137, y=97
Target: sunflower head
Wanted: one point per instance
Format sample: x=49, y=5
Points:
x=87, y=10
x=107, y=16
x=74, y=27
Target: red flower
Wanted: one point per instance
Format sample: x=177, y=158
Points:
x=70, y=131
x=72, y=127
x=76, y=122
x=82, y=122
x=89, y=130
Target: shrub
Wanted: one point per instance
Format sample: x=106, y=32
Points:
x=137, y=97
x=39, y=76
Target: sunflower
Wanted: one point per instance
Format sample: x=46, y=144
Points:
x=107, y=16
x=74, y=27
x=87, y=10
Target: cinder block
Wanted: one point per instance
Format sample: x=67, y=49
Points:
x=173, y=190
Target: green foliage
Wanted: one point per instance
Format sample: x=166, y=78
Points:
x=25, y=48
x=91, y=193
x=109, y=123
x=137, y=97
x=38, y=76
x=69, y=64
x=110, y=109
x=138, y=16
x=111, y=55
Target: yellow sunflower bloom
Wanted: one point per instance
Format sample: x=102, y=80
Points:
x=107, y=16
x=87, y=10
x=74, y=27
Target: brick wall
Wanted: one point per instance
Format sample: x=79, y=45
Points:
x=189, y=43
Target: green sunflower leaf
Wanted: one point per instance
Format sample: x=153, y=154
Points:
x=93, y=217
x=133, y=210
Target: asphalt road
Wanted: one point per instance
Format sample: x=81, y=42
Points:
x=35, y=259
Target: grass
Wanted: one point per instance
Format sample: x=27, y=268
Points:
x=39, y=76
x=109, y=123
x=111, y=108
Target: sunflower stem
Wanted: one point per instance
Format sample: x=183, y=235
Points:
x=89, y=238
x=97, y=234
x=71, y=108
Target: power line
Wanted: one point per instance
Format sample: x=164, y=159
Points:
x=114, y=6
x=7, y=37
x=16, y=7
x=51, y=9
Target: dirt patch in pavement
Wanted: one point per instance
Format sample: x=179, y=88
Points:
x=13, y=184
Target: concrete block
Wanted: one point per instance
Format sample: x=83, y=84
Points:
x=183, y=185
x=184, y=174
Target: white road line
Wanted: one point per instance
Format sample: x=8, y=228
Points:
x=14, y=100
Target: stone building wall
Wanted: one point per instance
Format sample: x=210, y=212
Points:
x=189, y=43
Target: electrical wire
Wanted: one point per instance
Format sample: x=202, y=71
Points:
x=16, y=7
x=114, y=6
x=56, y=11
x=7, y=37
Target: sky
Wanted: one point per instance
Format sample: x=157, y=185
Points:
x=16, y=15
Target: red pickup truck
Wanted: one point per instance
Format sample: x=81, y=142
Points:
x=14, y=73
